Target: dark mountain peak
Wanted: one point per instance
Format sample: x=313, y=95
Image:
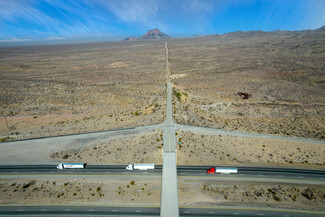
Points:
x=154, y=34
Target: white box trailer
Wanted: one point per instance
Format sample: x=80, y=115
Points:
x=140, y=167
x=71, y=166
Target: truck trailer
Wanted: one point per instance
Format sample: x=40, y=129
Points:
x=140, y=167
x=222, y=170
x=71, y=166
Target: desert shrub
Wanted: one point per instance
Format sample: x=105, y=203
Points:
x=26, y=185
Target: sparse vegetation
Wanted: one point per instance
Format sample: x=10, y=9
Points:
x=232, y=150
x=119, y=150
x=257, y=194
x=231, y=86
x=55, y=90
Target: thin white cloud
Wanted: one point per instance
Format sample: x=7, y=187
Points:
x=15, y=11
x=141, y=11
x=15, y=40
x=12, y=10
x=198, y=6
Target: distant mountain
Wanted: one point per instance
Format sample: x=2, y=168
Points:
x=131, y=38
x=260, y=33
x=154, y=34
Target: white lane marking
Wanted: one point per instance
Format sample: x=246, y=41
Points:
x=107, y=172
x=235, y=213
x=187, y=211
x=67, y=209
x=91, y=210
x=211, y=212
x=202, y=173
x=20, y=210
x=138, y=210
x=43, y=209
x=13, y=172
x=183, y=173
x=114, y=210
x=125, y=172
x=145, y=172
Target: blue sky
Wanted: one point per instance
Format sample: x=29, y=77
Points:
x=55, y=19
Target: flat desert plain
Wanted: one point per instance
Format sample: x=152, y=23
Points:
x=264, y=82
x=66, y=89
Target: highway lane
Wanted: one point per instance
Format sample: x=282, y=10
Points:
x=106, y=210
x=257, y=174
x=245, y=174
x=78, y=210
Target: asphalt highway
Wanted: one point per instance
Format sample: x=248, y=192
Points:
x=245, y=174
x=104, y=210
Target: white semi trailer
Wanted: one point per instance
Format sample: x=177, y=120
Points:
x=140, y=167
x=71, y=166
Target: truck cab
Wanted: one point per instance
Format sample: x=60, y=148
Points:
x=60, y=166
x=212, y=170
x=129, y=167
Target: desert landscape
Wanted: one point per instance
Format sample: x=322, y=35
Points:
x=113, y=147
x=142, y=148
x=67, y=89
x=204, y=149
x=162, y=108
x=139, y=191
x=90, y=190
x=210, y=193
x=245, y=81
x=264, y=82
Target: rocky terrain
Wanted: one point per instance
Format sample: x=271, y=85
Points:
x=264, y=82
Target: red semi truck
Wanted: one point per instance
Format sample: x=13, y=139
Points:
x=222, y=170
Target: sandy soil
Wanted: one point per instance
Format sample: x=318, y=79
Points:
x=142, y=148
x=283, y=73
x=196, y=149
x=57, y=90
x=210, y=193
x=93, y=190
x=128, y=191
x=113, y=147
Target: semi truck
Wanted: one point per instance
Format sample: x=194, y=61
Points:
x=71, y=166
x=140, y=167
x=222, y=170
